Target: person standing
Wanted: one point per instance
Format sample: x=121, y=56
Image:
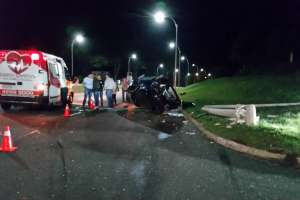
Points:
x=88, y=88
x=124, y=89
x=109, y=86
x=98, y=90
x=114, y=96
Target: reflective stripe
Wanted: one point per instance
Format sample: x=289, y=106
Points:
x=6, y=133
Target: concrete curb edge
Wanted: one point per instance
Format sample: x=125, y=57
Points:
x=258, y=153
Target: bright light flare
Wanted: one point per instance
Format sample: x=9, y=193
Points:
x=79, y=38
x=134, y=56
x=159, y=17
x=161, y=65
x=176, y=70
x=182, y=58
x=172, y=45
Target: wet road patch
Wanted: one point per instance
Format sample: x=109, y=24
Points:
x=166, y=123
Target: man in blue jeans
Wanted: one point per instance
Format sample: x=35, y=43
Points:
x=109, y=86
x=88, y=88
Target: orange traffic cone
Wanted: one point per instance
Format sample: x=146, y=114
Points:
x=67, y=112
x=7, y=145
x=91, y=105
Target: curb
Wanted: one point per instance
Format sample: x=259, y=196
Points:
x=258, y=153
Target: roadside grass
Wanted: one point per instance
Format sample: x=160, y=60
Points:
x=244, y=90
x=279, y=127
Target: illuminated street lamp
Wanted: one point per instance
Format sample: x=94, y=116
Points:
x=176, y=70
x=197, y=71
x=183, y=58
x=172, y=45
x=209, y=74
x=161, y=66
x=131, y=57
x=160, y=18
x=78, y=39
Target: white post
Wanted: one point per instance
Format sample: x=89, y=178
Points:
x=251, y=118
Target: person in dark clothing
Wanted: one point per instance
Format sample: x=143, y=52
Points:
x=114, y=95
x=98, y=84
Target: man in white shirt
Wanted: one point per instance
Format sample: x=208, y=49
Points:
x=109, y=87
x=88, y=88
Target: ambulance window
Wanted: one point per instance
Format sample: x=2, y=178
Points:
x=59, y=69
x=54, y=69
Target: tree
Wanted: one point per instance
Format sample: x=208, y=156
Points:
x=98, y=61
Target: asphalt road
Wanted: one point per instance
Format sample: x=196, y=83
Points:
x=104, y=155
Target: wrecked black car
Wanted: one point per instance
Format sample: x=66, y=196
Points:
x=154, y=93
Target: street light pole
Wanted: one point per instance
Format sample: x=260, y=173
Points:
x=72, y=57
x=159, y=66
x=128, y=70
x=179, y=65
x=79, y=39
x=187, y=60
x=160, y=17
x=176, y=50
x=132, y=56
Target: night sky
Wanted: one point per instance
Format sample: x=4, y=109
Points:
x=224, y=36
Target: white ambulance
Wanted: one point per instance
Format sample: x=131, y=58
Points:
x=33, y=77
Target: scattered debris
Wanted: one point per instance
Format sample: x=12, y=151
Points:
x=211, y=142
x=228, y=126
x=188, y=104
x=175, y=114
x=217, y=124
x=163, y=136
x=190, y=133
x=185, y=122
x=163, y=121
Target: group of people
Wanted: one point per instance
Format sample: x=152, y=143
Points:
x=94, y=85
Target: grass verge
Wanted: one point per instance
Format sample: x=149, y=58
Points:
x=279, y=128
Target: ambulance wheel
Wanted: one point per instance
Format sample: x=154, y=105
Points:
x=6, y=106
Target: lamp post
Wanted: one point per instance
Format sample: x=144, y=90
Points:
x=183, y=58
x=132, y=56
x=161, y=66
x=193, y=65
x=79, y=39
x=172, y=46
x=160, y=17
